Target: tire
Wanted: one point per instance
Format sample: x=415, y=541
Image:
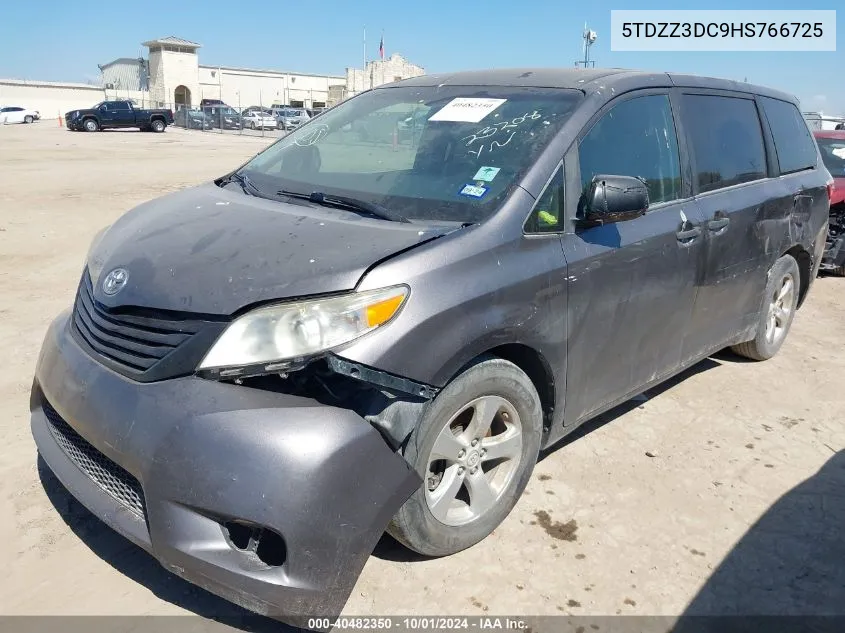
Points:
x=28, y=119
x=252, y=125
x=439, y=529
x=777, y=310
x=158, y=126
x=91, y=125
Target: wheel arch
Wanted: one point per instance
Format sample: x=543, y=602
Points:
x=536, y=367
x=805, y=268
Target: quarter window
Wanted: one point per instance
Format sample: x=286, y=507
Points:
x=726, y=140
x=635, y=138
x=793, y=145
x=548, y=211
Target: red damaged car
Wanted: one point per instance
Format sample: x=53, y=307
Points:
x=832, y=148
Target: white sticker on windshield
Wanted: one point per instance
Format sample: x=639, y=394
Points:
x=467, y=110
x=840, y=152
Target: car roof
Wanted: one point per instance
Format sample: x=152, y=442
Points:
x=587, y=80
x=837, y=134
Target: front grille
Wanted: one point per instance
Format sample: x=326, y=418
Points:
x=131, y=341
x=110, y=477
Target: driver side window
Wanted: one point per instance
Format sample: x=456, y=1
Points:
x=635, y=138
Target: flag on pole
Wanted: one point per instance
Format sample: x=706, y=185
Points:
x=381, y=47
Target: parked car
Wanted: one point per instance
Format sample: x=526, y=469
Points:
x=192, y=118
x=207, y=103
x=224, y=117
x=256, y=410
x=290, y=118
x=832, y=148
x=18, y=114
x=118, y=114
x=260, y=109
x=257, y=120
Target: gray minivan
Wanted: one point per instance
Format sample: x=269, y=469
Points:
x=262, y=374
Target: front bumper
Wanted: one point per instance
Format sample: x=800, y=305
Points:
x=204, y=453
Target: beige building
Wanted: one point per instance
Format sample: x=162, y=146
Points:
x=382, y=71
x=175, y=78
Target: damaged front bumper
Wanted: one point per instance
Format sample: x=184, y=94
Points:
x=270, y=500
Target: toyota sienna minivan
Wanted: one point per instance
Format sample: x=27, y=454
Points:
x=261, y=375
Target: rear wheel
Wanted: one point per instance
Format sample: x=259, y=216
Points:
x=91, y=125
x=475, y=448
x=780, y=301
x=157, y=125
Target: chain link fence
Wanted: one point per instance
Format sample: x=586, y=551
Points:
x=255, y=120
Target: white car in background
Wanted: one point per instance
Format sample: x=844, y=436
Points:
x=256, y=119
x=17, y=114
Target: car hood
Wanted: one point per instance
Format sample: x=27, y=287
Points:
x=214, y=251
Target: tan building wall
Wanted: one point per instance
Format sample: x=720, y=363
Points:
x=174, y=70
x=51, y=99
x=379, y=72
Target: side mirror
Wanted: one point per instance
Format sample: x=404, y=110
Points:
x=102, y=108
x=615, y=199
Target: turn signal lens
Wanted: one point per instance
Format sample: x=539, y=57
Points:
x=383, y=311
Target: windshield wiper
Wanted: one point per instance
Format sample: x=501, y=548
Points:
x=246, y=184
x=344, y=202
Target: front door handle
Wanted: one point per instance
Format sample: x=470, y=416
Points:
x=688, y=235
x=717, y=224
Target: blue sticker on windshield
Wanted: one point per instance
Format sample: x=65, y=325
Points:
x=473, y=191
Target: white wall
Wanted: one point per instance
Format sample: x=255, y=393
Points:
x=242, y=87
x=51, y=99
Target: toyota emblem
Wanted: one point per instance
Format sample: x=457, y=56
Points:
x=114, y=281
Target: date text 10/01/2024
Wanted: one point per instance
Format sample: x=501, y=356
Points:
x=418, y=623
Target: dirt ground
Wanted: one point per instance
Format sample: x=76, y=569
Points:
x=681, y=502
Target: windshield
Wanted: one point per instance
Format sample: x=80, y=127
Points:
x=833, y=155
x=465, y=151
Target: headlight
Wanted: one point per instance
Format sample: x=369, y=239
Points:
x=95, y=264
x=303, y=328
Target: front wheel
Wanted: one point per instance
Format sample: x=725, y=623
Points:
x=91, y=125
x=28, y=119
x=780, y=300
x=157, y=126
x=475, y=448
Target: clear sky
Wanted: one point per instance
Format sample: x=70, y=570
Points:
x=65, y=41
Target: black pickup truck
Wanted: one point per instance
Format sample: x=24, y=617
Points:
x=118, y=114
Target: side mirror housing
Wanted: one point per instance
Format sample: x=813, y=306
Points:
x=615, y=199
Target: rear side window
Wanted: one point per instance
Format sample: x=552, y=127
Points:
x=635, y=138
x=794, y=146
x=726, y=140
x=833, y=155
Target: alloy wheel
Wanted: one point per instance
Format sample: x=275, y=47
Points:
x=780, y=310
x=473, y=460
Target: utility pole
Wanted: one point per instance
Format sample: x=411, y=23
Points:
x=589, y=38
x=364, y=65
